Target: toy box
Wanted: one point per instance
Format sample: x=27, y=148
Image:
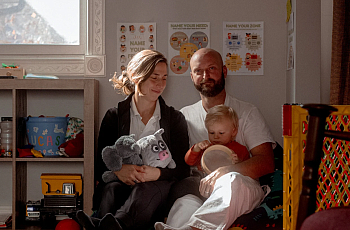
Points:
x=15, y=72
x=46, y=134
x=61, y=184
x=333, y=171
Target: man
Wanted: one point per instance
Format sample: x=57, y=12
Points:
x=208, y=75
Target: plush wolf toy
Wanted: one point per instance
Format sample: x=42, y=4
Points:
x=150, y=150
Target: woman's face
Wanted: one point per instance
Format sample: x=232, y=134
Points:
x=154, y=86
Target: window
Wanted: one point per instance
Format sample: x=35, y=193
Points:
x=51, y=36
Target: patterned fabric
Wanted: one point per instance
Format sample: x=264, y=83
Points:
x=75, y=126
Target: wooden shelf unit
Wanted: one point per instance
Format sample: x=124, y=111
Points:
x=19, y=90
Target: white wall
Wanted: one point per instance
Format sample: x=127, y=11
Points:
x=267, y=91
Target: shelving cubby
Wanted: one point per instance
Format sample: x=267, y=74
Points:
x=20, y=90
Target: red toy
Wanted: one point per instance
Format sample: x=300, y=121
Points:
x=68, y=224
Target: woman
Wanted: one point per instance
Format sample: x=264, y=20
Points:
x=134, y=201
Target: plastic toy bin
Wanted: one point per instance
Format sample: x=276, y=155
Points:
x=46, y=134
x=54, y=183
x=333, y=188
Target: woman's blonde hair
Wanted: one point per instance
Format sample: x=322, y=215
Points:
x=220, y=112
x=139, y=69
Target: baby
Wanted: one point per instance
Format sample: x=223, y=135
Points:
x=222, y=125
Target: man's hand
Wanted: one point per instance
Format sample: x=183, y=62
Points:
x=206, y=186
x=130, y=174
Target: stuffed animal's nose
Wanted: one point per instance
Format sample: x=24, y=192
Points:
x=163, y=155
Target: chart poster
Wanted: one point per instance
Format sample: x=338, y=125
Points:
x=243, y=48
x=185, y=38
x=131, y=39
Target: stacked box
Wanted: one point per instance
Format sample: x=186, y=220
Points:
x=333, y=187
x=53, y=183
x=14, y=72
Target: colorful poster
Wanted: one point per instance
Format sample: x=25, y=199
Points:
x=243, y=47
x=184, y=39
x=131, y=39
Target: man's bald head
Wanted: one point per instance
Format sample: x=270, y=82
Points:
x=206, y=51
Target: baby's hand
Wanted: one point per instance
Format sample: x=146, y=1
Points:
x=201, y=146
x=235, y=159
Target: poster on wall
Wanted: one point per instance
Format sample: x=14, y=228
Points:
x=243, y=48
x=131, y=39
x=185, y=38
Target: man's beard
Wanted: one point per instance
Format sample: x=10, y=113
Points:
x=211, y=91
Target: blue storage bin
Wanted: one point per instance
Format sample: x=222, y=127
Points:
x=46, y=134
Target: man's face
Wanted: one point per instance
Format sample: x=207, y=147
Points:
x=210, y=87
x=207, y=75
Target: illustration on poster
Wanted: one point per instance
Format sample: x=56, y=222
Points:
x=122, y=59
x=122, y=38
x=184, y=40
x=122, y=48
x=142, y=29
x=122, y=29
x=244, y=47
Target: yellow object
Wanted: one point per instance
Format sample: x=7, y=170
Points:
x=52, y=183
x=36, y=153
x=334, y=180
x=289, y=9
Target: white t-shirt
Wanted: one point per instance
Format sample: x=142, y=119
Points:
x=252, y=130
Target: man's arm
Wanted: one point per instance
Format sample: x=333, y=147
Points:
x=260, y=164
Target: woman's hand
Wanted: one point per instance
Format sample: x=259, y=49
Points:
x=206, y=186
x=131, y=174
x=150, y=173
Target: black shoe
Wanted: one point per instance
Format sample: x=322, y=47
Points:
x=85, y=220
x=108, y=222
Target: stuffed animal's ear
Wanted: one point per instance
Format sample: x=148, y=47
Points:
x=172, y=164
x=136, y=148
x=159, y=132
x=126, y=140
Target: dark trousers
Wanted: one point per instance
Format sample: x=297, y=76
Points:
x=135, y=207
x=189, y=185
